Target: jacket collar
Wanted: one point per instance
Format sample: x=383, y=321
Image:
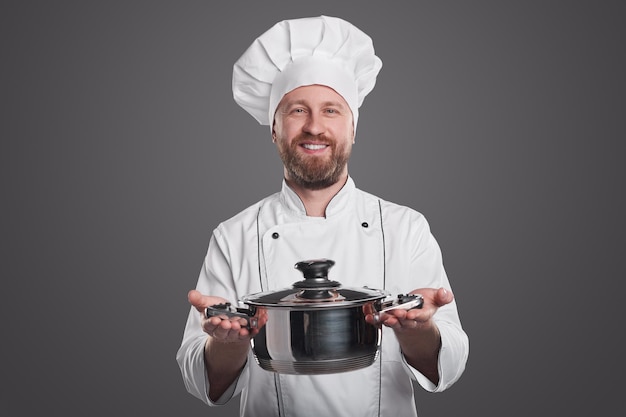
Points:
x=337, y=204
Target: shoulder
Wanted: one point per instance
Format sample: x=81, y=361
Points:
x=391, y=210
x=399, y=221
x=247, y=218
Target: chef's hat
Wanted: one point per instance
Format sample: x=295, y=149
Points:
x=293, y=53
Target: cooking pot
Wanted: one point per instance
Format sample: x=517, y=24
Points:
x=316, y=326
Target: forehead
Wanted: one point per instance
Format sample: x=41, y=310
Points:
x=313, y=94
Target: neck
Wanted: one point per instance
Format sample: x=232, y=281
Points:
x=316, y=201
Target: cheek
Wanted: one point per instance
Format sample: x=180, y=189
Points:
x=343, y=130
x=287, y=130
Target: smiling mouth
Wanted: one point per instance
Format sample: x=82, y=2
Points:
x=313, y=146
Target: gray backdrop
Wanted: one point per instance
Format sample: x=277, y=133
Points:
x=501, y=121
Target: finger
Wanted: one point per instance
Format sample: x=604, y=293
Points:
x=229, y=323
x=417, y=315
x=195, y=298
x=230, y=331
x=214, y=322
x=408, y=324
x=201, y=301
x=220, y=333
x=443, y=297
x=373, y=319
x=377, y=319
x=399, y=313
x=391, y=321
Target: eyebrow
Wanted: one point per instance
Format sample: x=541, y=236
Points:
x=331, y=103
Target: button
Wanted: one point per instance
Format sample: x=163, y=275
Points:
x=364, y=224
x=275, y=235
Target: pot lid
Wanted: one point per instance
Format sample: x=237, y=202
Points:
x=315, y=291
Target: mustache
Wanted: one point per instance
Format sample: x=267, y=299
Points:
x=305, y=138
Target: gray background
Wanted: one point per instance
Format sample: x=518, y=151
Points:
x=501, y=121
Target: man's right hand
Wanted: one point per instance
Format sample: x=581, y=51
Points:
x=226, y=349
x=222, y=328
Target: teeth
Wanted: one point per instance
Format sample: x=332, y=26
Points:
x=313, y=147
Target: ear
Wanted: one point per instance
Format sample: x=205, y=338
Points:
x=274, y=131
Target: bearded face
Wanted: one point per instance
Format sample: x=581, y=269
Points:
x=313, y=130
x=310, y=170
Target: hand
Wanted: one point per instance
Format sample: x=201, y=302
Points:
x=400, y=320
x=222, y=328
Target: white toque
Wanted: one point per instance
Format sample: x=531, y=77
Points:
x=293, y=53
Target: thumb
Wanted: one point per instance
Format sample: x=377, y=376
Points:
x=200, y=301
x=443, y=297
x=195, y=298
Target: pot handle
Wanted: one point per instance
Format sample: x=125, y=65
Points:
x=404, y=301
x=226, y=309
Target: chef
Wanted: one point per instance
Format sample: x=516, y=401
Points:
x=306, y=79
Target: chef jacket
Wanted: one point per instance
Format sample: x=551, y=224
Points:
x=374, y=243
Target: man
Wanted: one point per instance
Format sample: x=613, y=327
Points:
x=306, y=79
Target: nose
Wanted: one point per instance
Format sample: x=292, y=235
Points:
x=314, y=125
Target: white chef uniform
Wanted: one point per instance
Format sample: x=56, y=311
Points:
x=374, y=243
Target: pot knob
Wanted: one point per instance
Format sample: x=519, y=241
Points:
x=316, y=284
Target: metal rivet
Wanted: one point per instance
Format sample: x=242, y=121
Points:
x=275, y=235
x=364, y=224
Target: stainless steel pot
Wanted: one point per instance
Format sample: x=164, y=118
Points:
x=316, y=326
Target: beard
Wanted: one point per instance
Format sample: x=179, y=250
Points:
x=315, y=172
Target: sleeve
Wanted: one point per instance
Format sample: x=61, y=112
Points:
x=427, y=263
x=453, y=356
x=215, y=279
